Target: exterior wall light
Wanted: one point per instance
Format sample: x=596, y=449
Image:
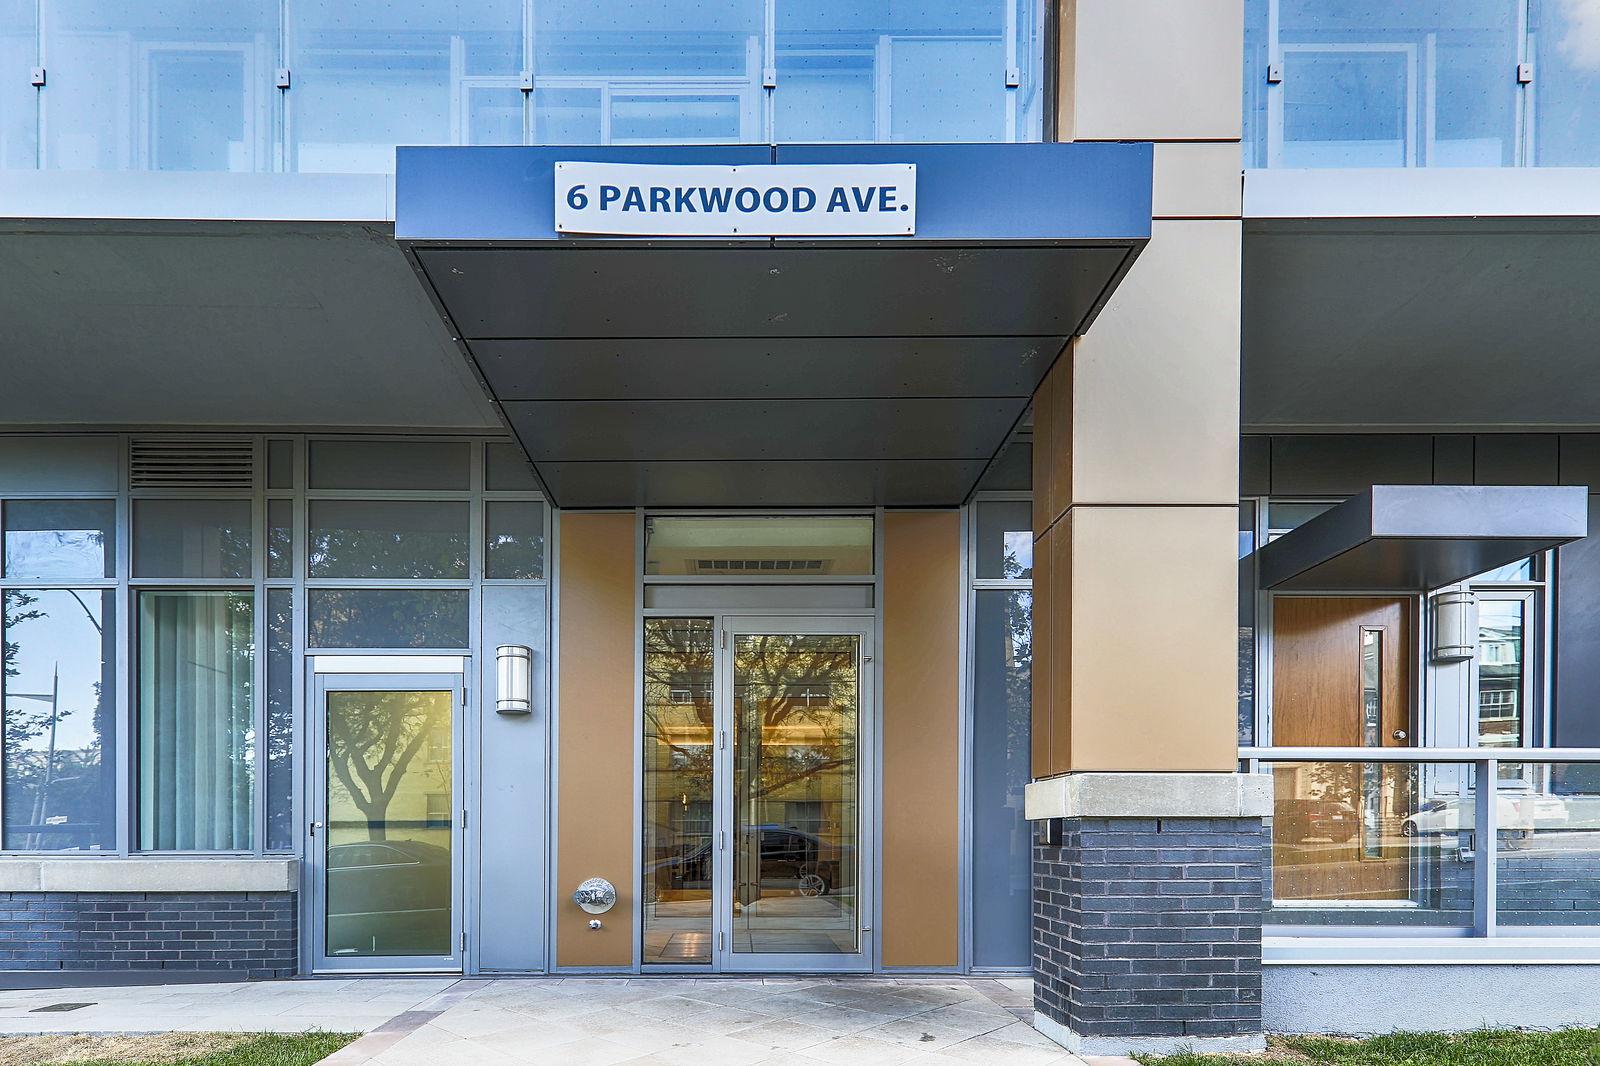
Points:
x=1455, y=626
x=514, y=668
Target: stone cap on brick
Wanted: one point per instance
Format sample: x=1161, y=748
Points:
x=1150, y=795
x=148, y=874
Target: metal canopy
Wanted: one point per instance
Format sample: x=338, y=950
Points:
x=770, y=373
x=1413, y=538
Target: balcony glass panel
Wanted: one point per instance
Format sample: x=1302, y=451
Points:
x=369, y=76
x=1565, y=43
x=19, y=52
x=1549, y=847
x=158, y=85
x=1372, y=844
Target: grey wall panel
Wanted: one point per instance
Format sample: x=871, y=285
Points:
x=927, y=483
x=1515, y=459
x=779, y=368
x=1337, y=465
x=1255, y=466
x=58, y=464
x=1580, y=459
x=573, y=431
x=1452, y=459
x=511, y=781
x=1577, y=680
x=579, y=292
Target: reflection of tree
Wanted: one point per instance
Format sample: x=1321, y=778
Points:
x=394, y=548
x=796, y=703
x=372, y=739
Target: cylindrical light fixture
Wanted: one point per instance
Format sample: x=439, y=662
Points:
x=514, y=669
x=1455, y=626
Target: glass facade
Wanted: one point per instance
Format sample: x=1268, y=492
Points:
x=1470, y=83
x=332, y=87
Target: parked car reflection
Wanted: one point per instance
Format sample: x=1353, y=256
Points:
x=389, y=897
x=791, y=859
x=1514, y=812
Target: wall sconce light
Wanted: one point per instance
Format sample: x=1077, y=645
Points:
x=514, y=668
x=1455, y=626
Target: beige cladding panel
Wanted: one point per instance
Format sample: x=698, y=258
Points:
x=1155, y=382
x=1198, y=180
x=1153, y=70
x=921, y=738
x=1153, y=653
x=596, y=734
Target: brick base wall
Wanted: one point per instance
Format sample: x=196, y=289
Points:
x=249, y=932
x=1150, y=928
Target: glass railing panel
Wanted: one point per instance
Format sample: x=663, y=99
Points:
x=1372, y=844
x=1565, y=44
x=1549, y=846
x=19, y=53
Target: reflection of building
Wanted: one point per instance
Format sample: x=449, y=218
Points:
x=840, y=542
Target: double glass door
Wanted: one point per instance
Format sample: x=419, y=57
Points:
x=756, y=793
x=384, y=837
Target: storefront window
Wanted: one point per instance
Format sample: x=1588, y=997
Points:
x=52, y=540
x=191, y=538
x=388, y=539
x=1001, y=767
x=197, y=730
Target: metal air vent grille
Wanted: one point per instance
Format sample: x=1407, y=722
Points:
x=192, y=463
x=724, y=566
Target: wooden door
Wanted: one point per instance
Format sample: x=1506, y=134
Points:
x=1341, y=677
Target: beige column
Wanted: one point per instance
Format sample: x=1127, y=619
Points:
x=1136, y=428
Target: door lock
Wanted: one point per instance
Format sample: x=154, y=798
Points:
x=314, y=827
x=1400, y=734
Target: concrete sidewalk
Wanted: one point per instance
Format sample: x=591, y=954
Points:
x=734, y=1021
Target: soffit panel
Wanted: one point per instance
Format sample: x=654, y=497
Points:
x=816, y=483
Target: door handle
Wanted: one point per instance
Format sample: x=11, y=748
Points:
x=1400, y=734
x=314, y=827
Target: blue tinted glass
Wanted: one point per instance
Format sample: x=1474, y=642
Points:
x=60, y=539
x=19, y=51
x=369, y=76
x=160, y=85
x=191, y=538
x=387, y=618
x=1002, y=933
x=1418, y=83
x=280, y=720
x=1566, y=42
x=388, y=538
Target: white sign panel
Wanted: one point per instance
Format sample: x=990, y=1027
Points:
x=781, y=200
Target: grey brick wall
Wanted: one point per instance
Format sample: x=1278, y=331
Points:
x=1150, y=927
x=249, y=932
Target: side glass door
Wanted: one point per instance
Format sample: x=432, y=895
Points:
x=384, y=839
x=795, y=793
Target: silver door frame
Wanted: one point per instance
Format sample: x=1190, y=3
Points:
x=313, y=872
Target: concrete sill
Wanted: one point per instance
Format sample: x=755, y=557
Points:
x=147, y=874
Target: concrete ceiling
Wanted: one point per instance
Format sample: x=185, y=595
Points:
x=216, y=323
x=1425, y=324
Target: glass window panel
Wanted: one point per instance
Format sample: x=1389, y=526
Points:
x=514, y=539
x=390, y=781
x=950, y=89
x=1005, y=539
x=197, y=737
x=1549, y=847
x=370, y=76
x=388, y=538
x=280, y=538
x=801, y=545
x=1372, y=844
x=1502, y=683
x=414, y=465
x=1283, y=516
x=1417, y=83
x=387, y=618
x=1566, y=100
x=160, y=85
x=60, y=722
x=50, y=539
x=19, y=101
x=506, y=469
x=280, y=464
x=678, y=757
x=191, y=538
x=30, y=463
x=280, y=720
x=1002, y=754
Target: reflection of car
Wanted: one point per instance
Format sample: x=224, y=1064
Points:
x=1515, y=812
x=388, y=897
x=790, y=858
x=1305, y=819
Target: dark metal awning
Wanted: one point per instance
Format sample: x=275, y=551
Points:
x=845, y=371
x=1412, y=538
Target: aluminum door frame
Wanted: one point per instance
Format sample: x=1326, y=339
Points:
x=723, y=958
x=313, y=870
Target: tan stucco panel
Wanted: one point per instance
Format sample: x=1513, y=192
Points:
x=1157, y=70
x=595, y=733
x=921, y=651
x=1154, y=638
x=1155, y=381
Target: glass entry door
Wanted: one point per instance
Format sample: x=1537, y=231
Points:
x=384, y=839
x=757, y=793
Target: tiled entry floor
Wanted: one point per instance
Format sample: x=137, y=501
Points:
x=856, y=1021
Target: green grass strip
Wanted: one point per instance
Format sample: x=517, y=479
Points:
x=1480, y=1047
